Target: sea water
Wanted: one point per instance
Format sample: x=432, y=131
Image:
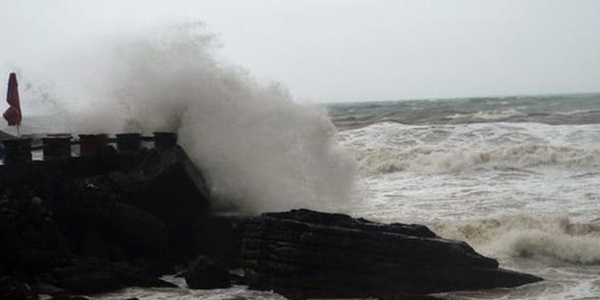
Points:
x=516, y=177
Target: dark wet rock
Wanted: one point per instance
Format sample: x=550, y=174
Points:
x=306, y=254
x=15, y=290
x=48, y=289
x=237, y=278
x=207, y=273
x=98, y=224
x=121, y=182
x=91, y=276
x=172, y=189
x=30, y=242
x=144, y=208
x=224, y=239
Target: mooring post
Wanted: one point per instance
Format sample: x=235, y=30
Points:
x=165, y=140
x=129, y=142
x=17, y=150
x=92, y=144
x=57, y=147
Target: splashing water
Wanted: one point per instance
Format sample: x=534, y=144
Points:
x=258, y=149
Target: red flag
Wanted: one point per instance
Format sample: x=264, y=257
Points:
x=13, y=113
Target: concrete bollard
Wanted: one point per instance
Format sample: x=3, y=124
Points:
x=92, y=144
x=57, y=147
x=17, y=150
x=165, y=140
x=129, y=142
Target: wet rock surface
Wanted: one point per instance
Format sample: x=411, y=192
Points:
x=207, y=273
x=91, y=276
x=30, y=241
x=15, y=289
x=305, y=254
x=94, y=224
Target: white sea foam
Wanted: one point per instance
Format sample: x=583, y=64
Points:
x=491, y=115
x=554, y=237
x=236, y=292
x=392, y=147
x=258, y=149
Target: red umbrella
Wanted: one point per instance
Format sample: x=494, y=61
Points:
x=13, y=113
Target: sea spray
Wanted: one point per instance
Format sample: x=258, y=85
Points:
x=258, y=149
x=553, y=237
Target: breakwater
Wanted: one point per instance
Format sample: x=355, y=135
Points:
x=63, y=146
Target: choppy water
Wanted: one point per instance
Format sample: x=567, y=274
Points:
x=553, y=109
x=518, y=178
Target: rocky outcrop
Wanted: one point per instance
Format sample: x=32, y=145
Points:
x=305, y=254
x=140, y=208
x=207, y=273
x=173, y=189
x=99, y=223
x=15, y=290
x=224, y=239
x=30, y=241
x=90, y=276
x=93, y=224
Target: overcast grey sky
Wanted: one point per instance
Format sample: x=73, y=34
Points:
x=348, y=50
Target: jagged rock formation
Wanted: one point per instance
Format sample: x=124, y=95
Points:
x=94, y=224
x=207, y=273
x=305, y=254
x=141, y=208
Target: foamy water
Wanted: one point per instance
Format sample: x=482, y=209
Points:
x=183, y=293
x=524, y=193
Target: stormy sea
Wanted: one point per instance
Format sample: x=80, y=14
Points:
x=515, y=177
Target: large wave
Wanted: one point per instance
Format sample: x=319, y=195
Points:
x=258, y=149
x=525, y=236
x=392, y=147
